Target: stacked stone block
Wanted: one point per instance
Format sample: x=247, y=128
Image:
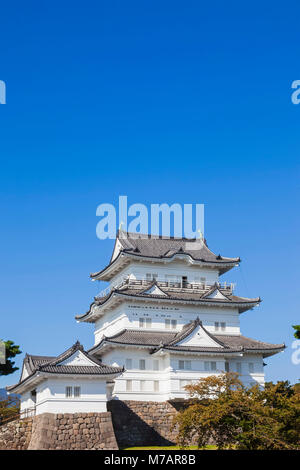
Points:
x=48, y=431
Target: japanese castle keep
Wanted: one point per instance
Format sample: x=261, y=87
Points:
x=165, y=321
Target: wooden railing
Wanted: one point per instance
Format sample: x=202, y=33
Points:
x=9, y=417
x=28, y=412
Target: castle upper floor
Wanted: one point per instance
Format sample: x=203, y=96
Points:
x=172, y=260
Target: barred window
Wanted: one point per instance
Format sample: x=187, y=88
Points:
x=69, y=391
x=142, y=364
x=210, y=365
x=184, y=365
x=142, y=385
x=76, y=391
x=128, y=385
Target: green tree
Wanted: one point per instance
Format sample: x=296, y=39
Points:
x=222, y=410
x=8, y=366
x=9, y=409
x=297, y=332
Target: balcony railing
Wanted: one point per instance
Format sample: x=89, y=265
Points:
x=28, y=412
x=183, y=285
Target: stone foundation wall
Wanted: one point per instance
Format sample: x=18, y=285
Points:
x=138, y=423
x=126, y=424
x=60, y=432
x=16, y=435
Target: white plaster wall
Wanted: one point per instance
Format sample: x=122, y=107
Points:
x=171, y=378
x=51, y=396
x=249, y=378
x=175, y=268
x=198, y=370
x=24, y=373
x=111, y=323
x=199, y=338
x=118, y=357
x=128, y=315
x=26, y=401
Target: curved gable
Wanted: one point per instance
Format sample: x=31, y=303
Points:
x=199, y=337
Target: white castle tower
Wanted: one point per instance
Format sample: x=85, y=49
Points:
x=168, y=320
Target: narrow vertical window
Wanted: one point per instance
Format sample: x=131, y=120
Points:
x=227, y=369
x=206, y=366
x=142, y=364
x=213, y=365
x=128, y=385
x=76, y=391
x=187, y=365
x=223, y=326
x=148, y=322
x=174, y=324
x=156, y=386
x=128, y=364
x=142, y=385
x=155, y=364
x=181, y=365
x=142, y=322
x=68, y=392
x=216, y=326
x=167, y=323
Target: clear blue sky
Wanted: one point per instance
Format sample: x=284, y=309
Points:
x=163, y=101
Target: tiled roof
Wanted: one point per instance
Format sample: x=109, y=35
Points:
x=153, y=246
x=247, y=343
x=51, y=365
x=243, y=303
x=181, y=294
x=169, y=340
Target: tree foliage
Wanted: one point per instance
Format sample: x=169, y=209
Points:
x=11, y=350
x=9, y=409
x=297, y=332
x=225, y=412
